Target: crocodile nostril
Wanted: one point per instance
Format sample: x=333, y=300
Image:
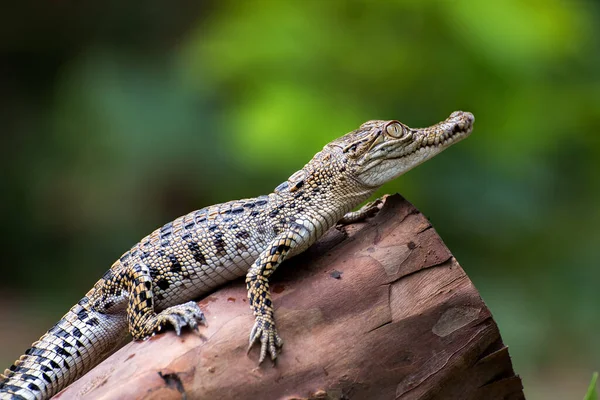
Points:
x=470, y=118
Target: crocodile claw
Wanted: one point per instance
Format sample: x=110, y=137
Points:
x=265, y=332
x=187, y=314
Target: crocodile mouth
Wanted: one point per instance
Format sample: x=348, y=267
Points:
x=460, y=129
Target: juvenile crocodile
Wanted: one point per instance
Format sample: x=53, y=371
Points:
x=150, y=287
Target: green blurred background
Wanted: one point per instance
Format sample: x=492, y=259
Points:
x=117, y=117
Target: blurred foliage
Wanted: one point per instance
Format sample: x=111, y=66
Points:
x=119, y=117
x=591, y=393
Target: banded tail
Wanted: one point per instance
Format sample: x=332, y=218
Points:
x=74, y=345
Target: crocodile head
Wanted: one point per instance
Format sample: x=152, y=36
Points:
x=380, y=151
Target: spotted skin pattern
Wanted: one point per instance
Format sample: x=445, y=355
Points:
x=151, y=286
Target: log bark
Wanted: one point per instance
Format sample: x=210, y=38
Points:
x=374, y=310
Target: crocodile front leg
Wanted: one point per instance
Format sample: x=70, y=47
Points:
x=367, y=211
x=257, y=283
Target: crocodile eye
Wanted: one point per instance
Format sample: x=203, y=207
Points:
x=394, y=129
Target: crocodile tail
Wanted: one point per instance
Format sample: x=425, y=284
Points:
x=75, y=344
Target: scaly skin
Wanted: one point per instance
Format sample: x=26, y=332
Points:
x=151, y=285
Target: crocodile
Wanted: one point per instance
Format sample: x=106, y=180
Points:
x=151, y=287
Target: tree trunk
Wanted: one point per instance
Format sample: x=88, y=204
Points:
x=374, y=310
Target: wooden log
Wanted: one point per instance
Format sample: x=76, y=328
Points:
x=375, y=310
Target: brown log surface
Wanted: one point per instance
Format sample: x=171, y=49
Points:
x=375, y=310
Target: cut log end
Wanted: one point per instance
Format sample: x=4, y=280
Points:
x=376, y=310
